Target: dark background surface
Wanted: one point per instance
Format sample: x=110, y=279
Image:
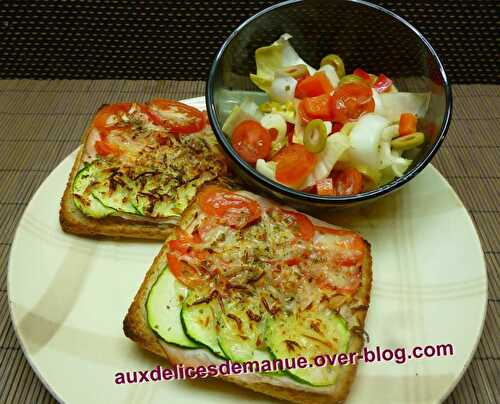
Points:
x=176, y=40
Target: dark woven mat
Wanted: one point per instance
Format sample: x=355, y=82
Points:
x=176, y=40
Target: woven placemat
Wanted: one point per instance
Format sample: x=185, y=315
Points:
x=41, y=123
x=85, y=39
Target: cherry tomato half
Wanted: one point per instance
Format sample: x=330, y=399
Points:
x=251, y=141
x=350, y=101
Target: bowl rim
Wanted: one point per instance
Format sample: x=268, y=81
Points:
x=309, y=197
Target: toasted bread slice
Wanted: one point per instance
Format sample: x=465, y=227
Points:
x=72, y=219
x=136, y=327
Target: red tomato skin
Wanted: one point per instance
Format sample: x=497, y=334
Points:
x=196, y=117
x=101, y=119
x=234, y=210
x=318, y=107
x=352, y=241
x=361, y=73
x=312, y=86
x=104, y=148
x=290, y=129
x=347, y=181
x=382, y=84
x=154, y=118
x=304, y=116
x=183, y=272
x=295, y=163
x=305, y=227
x=350, y=101
x=407, y=124
x=251, y=141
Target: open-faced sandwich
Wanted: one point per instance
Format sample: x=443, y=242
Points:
x=243, y=279
x=138, y=168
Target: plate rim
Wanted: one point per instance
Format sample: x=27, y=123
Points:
x=201, y=99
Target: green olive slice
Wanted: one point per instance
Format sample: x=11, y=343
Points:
x=315, y=136
x=336, y=61
x=408, y=142
x=350, y=79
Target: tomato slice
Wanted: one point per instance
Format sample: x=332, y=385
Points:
x=178, y=117
x=351, y=276
x=347, y=259
x=184, y=273
x=153, y=117
x=350, y=101
x=407, y=124
x=347, y=181
x=104, y=148
x=300, y=224
x=318, y=107
x=184, y=241
x=251, y=141
x=101, y=119
x=353, y=247
x=295, y=163
x=234, y=210
x=314, y=85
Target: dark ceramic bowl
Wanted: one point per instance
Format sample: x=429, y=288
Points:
x=364, y=35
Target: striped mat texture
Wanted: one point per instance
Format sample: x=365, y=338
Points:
x=41, y=123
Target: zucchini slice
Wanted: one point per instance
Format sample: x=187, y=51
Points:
x=83, y=199
x=242, y=327
x=120, y=198
x=163, y=309
x=201, y=321
x=308, y=334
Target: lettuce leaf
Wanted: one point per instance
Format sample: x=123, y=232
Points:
x=270, y=59
x=266, y=168
x=365, y=140
x=392, y=105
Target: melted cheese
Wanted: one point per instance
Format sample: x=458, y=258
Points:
x=292, y=268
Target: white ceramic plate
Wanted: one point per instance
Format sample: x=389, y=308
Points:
x=68, y=296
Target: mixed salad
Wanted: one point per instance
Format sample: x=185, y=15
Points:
x=324, y=131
